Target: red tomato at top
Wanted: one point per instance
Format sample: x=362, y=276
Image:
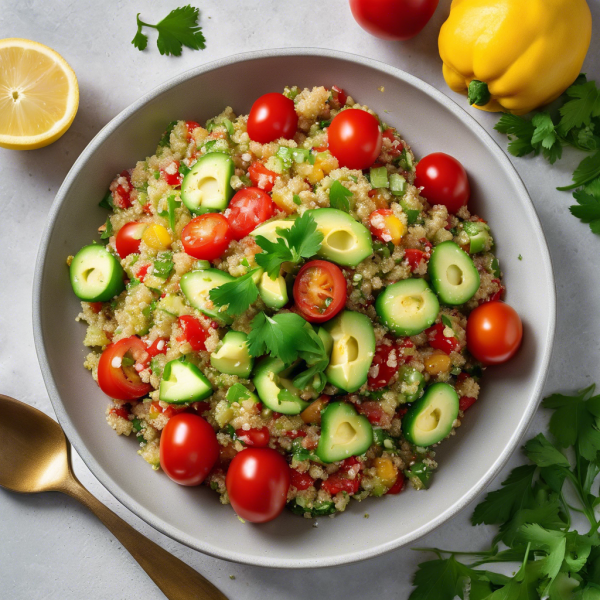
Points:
x=393, y=19
x=129, y=238
x=247, y=210
x=188, y=449
x=257, y=482
x=118, y=380
x=271, y=117
x=206, y=237
x=355, y=138
x=320, y=291
x=494, y=333
x=444, y=181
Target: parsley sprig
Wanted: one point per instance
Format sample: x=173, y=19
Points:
x=534, y=519
x=179, y=28
x=576, y=123
x=237, y=295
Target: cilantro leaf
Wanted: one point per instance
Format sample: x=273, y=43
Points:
x=107, y=201
x=587, y=209
x=237, y=295
x=588, y=169
x=544, y=130
x=541, y=452
x=179, y=28
x=338, y=196
x=172, y=204
x=441, y=579
x=518, y=128
x=274, y=255
x=578, y=112
x=553, y=543
x=163, y=265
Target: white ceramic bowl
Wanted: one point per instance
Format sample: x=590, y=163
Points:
x=493, y=427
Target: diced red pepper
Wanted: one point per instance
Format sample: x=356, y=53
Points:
x=259, y=438
x=398, y=485
x=141, y=274
x=466, y=402
x=301, y=481
x=169, y=411
x=174, y=178
x=294, y=434
x=339, y=95
x=414, y=257
x=122, y=190
x=376, y=415
x=120, y=412
x=262, y=177
x=191, y=125
x=396, y=149
x=439, y=341
x=193, y=333
x=385, y=372
x=96, y=306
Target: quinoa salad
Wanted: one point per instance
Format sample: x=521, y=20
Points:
x=286, y=290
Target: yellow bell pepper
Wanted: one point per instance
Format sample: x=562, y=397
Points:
x=514, y=55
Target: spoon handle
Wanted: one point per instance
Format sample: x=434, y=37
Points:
x=176, y=580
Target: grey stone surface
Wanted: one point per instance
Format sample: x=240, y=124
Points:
x=50, y=547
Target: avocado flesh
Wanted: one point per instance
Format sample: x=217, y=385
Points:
x=172, y=305
x=353, y=350
x=208, y=184
x=196, y=286
x=233, y=358
x=344, y=433
x=273, y=292
x=430, y=419
x=275, y=390
x=346, y=242
x=269, y=230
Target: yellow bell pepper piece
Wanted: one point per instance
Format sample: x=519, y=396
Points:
x=514, y=55
x=157, y=237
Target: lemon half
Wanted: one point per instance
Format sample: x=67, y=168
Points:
x=39, y=94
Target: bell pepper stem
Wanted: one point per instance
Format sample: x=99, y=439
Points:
x=478, y=93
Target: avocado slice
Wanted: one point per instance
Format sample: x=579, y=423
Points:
x=346, y=242
x=344, y=433
x=196, y=285
x=454, y=277
x=273, y=292
x=407, y=307
x=269, y=230
x=275, y=388
x=232, y=356
x=353, y=350
x=430, y=419
x=96, y=275
x=208, y=184
x=172, y=304
x=183, y=382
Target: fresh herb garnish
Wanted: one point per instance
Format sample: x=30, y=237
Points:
x=108, y=231
x=297, y=199
x=534, y=519
x=163, y=265
x=338, y=196
x=236, y=393
x=172, y=204
x=165, y=140
x=237, y=295
x=179, y=28
x=447, y=321
x=301, y=240
x=107, y=201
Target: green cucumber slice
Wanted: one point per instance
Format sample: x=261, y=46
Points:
x=183, y=382
x=96, y=275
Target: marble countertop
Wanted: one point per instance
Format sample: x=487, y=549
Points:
x=51, y=548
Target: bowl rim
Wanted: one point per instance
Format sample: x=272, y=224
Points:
x=145, y=514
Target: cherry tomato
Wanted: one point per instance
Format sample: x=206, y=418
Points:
x=414, y=257
x=494, y=333
x=262, y=177
x=387, y=368
x=193, y=332
x=271, y=117
x=398, y=485
x=116, y=377
x=355, y=138
x=171, y=174
x=257, y=482
x=347, y=479
x=121, y=189
x=301, y=481
x=258, y=438
x=129, y=238
x=206, y=237
x=393, y=19
x=320, y=291
x=188, y=449
x=439, y=341
x=247, y=210
x=444, y=181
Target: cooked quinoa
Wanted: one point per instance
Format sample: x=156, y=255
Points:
x=148, y=191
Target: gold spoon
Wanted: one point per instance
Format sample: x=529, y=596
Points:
x=36, y=457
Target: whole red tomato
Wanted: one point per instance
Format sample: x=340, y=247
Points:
x=247, y=210
x=129, y=238
x=355, y=138
x=188, y=449
x=393, y=19
x=206, y=237
x=271, y=117
x=444, y=181
x=257, y=482
x=494, y=333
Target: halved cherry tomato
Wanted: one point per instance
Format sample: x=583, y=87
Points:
x=258, y=438
x=398, y=485
x=191, y=125
x=387, y=367
x=262, y=177
x=355, y=138
x=444, y=181
x=385, y=225
x=439, y=341
x=129, y=238
x=188, y=449
x=171, y=174
x=119, y=380
x=206, y=237
x=247, y=210
x=271, y=117
x=339, y=95
x=494, y=333
x=320, y=291
x=414, y=257
x=258, y=480
x=121, y=189
x=466, y=402
x=301, y=481
x=193, y=333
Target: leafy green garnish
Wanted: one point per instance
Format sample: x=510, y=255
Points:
x=108, y=231
x=301, y=240
x=179, y=28
x=172, y=204
x=107, y=201
x=338, y=196
x=237, y=295
x=236, y=393
x=163, y=265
